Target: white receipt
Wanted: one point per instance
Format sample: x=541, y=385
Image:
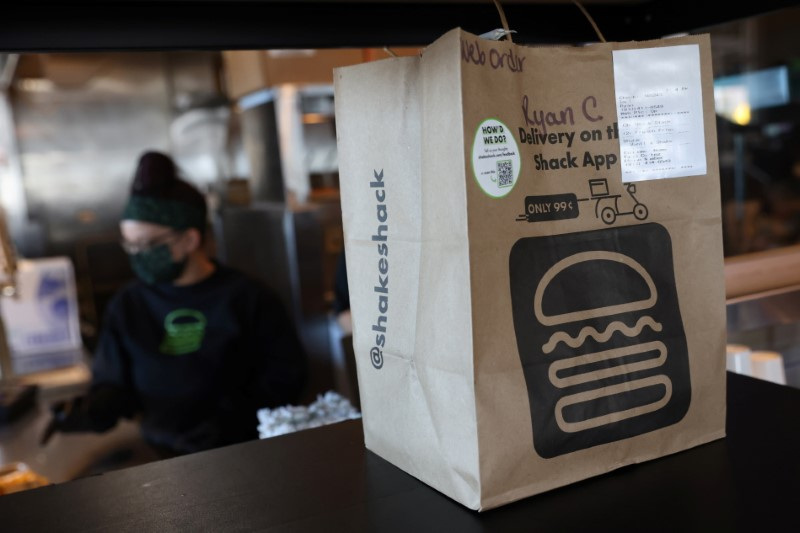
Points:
x=660, y=112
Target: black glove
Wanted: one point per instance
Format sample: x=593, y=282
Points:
x=68, y=417
x=98, y=411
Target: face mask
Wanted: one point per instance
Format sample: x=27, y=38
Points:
x=156, y=265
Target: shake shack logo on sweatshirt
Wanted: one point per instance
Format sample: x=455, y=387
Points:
x=184, y=330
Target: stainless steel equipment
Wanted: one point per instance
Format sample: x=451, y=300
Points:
x=285, y=249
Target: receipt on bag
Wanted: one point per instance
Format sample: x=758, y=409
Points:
x=660, y=112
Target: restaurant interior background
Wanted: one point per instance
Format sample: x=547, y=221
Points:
x=255, y=131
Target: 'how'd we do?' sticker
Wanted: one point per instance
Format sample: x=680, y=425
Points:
x=495, y=158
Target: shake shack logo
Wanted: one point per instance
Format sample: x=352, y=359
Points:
x=184, y=330
x=381, y=288
x=600, y=335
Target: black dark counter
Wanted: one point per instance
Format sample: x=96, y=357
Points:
x=324, y=480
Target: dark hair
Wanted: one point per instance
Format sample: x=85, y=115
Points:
x=159, y=196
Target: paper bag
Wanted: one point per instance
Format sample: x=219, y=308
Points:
x=534, y=259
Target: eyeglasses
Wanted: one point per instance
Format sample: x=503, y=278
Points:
x=133, y=248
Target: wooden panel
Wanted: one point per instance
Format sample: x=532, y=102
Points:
x=253, y=70
x=307, y=66
x=244, y=72
x=762, y=271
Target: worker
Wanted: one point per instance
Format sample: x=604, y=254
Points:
x=193, y=347
x=341, y=293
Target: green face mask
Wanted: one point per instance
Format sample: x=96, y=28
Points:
x=156, y=265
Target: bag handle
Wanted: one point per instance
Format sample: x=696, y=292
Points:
x=503, y=20
x=508, y=32
x=591, y=20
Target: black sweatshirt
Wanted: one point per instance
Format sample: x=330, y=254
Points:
x=197, y=361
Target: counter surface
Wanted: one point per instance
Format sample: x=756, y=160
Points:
x=324, y=480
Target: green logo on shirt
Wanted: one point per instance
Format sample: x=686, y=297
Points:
x=183, y=332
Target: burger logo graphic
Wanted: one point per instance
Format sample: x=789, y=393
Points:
x=600, y=335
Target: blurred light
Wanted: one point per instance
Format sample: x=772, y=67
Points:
x=675, y=35
x=736, y=96
x=776, y=129
x=315, y=118
x=292, y=53
x=35, y=85
x=741, y=114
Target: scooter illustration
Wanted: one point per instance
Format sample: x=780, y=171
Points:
x=606, y=206
x=541, y=208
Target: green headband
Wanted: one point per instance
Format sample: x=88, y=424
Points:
x=165, y=212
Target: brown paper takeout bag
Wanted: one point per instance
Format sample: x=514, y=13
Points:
x=534, y=259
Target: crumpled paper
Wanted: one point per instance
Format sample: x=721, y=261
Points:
x=329, y=408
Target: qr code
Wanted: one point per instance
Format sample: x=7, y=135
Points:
x=505, y=173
